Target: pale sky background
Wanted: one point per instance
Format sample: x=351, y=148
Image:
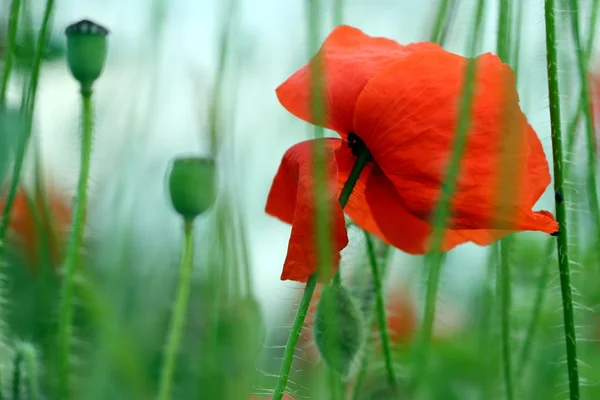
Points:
x=165, y=98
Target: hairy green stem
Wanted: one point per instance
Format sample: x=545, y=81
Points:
x=13, y=23
x=65, y=329
x=381, y=314
x=179, y=312
x=292, y=341
x=561, y=212
x=433, y=260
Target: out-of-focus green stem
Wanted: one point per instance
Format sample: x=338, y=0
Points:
x=441, y=212
x=582, y=60
x=437, y=31
x=561, y=212
x=179, y=312
x=27, y=107
x=381, y=315
x=504, y=294
x=13, y=23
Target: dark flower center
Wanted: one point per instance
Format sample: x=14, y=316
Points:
x=356, y=144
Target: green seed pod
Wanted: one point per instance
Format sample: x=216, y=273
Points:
x=86, y=51
x=192, y=185
x=338, y=328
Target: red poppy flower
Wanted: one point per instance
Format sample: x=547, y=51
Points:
x=28, y=222
x=402, y=102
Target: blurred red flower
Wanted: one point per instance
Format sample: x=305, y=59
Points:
x=29, y=221
x=401, y=102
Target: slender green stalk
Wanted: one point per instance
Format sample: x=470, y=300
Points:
x=582, y=60
x=380, y=311
x=504, y=295
x=292, y=341
x=65, y=329
x=179, y=311
x=11, y=42
x=27, y=106
x=486, y=315
x=536, y=314
x=434, y=259
x=561, y=212
x=516, y=48
x=338, y=12
x=437, y=31
x=504, y=24
x=504, y=53
x=364, y=361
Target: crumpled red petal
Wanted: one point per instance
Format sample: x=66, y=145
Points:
x=376, y=207
x=350, y=59
x=292, y=199
x=407, y=117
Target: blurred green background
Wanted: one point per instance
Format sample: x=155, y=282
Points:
x=198, y=78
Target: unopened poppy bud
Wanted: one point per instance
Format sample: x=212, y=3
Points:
x=86, y=51
x=338, y=328
x=192, y=185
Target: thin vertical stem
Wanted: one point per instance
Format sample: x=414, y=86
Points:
x=437, y=31
x=582, y=61
x=179, y=312
x=31, y=369
x=65, y=329
x=381, y=315
x=290, y=347
x=561, y=212
x=504, y=294
x=434, y=259
x=13, y=22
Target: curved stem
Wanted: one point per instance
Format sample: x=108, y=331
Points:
x=10, y=49
x=433, y=260
x=381, y=314
x=561, y=212
x=290, y=347
x=27, y=106
x=179, y=312
x=65, y=330
x=504, y=291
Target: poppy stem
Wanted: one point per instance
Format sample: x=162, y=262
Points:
x=27, y=107
x=505, y=302
x=381, y=314
x=11, y=42
x=582, y=64
x=65, y=329
x=290, y=347
x=179, y=312
x=434, y=260
x=561, y=211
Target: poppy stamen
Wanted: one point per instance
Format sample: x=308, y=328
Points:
x=357, y=145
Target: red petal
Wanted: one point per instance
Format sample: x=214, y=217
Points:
x=292, y=200
x=350, y=58
x=376, y=207
x=407, y=117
